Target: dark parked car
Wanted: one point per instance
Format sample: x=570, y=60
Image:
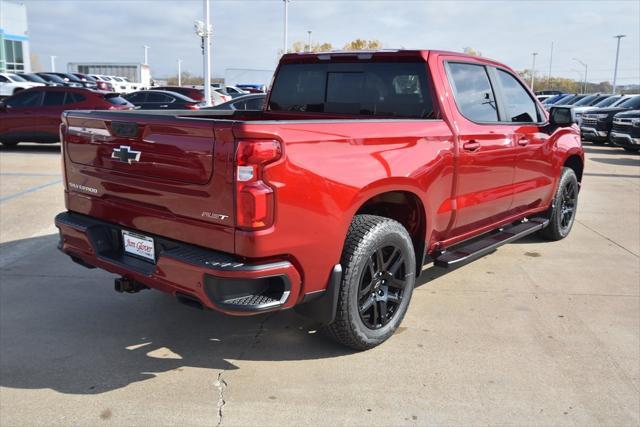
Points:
x=93, y=83
x=247, y=102
x=71, y=78
x=590, y=100
x=190, y=92
x=34, y=115
x=52, y=78
x=625, y=131
x=162, y=100
x=596, y=124
x=32, y=77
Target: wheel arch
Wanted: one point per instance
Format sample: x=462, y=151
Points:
x=576, y=163
x=407, y=208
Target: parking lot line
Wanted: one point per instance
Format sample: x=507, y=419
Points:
x=27, y=174
x=29, y=190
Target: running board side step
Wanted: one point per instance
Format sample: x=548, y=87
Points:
x=478, y=248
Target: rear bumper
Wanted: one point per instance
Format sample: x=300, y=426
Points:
x=218, y=280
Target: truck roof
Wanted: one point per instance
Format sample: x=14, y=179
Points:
x=377, y=54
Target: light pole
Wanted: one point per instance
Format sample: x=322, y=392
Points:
x=286, y=26
x=203, y=30
x=615, y=69
x=586, y=68
x=53, y=63
x=309, y=39
x=533, y=69
x=146, y=54
x=179, y=72
x=550, y=63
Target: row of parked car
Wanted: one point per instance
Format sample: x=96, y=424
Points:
x=603, y=118
x=11, y=83
x=34, y=114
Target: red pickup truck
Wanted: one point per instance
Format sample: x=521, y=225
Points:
x=362, y=168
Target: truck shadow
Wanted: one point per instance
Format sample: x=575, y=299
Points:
x=63, y=327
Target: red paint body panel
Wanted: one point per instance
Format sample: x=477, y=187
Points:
x=330, y=166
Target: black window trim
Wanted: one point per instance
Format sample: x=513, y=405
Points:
x=492, y=83
x=502, y=110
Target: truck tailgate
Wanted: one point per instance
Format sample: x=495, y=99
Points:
x=152, y=172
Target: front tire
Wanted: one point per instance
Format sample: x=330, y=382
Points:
x=379, y=275
x=564, y=207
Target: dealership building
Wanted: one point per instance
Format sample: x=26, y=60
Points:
x=14, y=38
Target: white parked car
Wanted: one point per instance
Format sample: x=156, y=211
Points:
x=12, y=83
x=235, y=91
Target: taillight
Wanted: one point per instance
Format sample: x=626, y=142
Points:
x=254, y=197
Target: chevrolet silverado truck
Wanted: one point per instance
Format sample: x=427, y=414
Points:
x=625, y=132
x=362, y=168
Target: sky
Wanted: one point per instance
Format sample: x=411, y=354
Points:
x=249, y=33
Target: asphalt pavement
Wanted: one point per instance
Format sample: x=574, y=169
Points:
x=536, y=333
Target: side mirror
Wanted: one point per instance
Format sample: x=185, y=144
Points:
x=561, y=116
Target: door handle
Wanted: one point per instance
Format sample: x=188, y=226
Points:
x=523, y=141
x=472, y=145
x=163, y=106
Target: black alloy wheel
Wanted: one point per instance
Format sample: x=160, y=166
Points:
x=382, y=286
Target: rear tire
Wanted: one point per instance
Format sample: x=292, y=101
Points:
x=379, y=275
x=564, y=207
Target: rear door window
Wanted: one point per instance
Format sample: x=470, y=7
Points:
x=473, y=92
x=520, y=107
x=355, y=88
x=53, y=98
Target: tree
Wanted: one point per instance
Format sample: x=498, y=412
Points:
x=36, y=67
x=187, y=80
x=471, y=51
x=361, y=44
x=299, y=46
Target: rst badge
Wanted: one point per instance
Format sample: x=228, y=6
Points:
x=125, y=154
x=214, y=215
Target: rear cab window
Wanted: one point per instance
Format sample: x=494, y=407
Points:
x=385, y=89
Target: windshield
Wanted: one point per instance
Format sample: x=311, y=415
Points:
x=115, y=99
x=371, y=89
x=562, y=99
x=586, y=100
x=16, y=78
x=631, y=103
x=34, y=78
x=607, y=102
x=53, y=78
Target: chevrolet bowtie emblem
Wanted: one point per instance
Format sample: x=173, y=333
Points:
x=126, y=154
